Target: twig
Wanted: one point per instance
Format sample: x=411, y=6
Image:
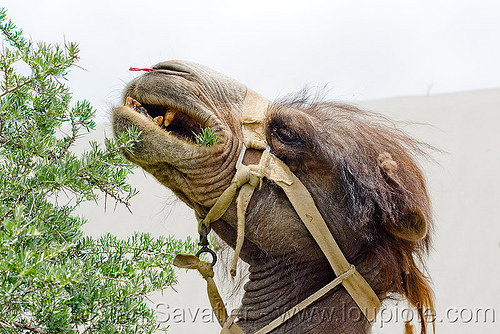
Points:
x=8, y=91
x=5, y=141
x=19, y=200
x=65, y=148
x=13, y=89
x=23, y=326
x=104, y=189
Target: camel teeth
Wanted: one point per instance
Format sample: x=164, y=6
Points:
x=158, y=120
x=129, y=102
x=134, y=104
x=168, y=118
x=139, y=108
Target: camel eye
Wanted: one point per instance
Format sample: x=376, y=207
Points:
x=287, y=136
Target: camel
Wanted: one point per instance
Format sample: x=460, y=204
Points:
x=359, y=169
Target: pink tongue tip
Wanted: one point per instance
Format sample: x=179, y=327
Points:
x=141, y=69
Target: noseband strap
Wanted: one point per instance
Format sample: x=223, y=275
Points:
x=247, y=178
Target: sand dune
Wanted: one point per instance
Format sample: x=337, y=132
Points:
x=464, y=184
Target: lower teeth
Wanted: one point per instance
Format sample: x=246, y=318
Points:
x=158, y=120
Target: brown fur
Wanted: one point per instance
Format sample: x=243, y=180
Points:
x=381, y=182
x=359, y=168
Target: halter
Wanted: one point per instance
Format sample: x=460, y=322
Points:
x=246, y=179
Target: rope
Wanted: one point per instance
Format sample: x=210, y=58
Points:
x=242, y=201
x=220, y=207
x=246, y=180
x=188, y=261
x=231, y=327
x=306, y=302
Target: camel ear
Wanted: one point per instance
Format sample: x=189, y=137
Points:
x=412, y=226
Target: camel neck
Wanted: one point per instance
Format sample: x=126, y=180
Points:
x=277, y=285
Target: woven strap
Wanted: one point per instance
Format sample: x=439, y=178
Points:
x=253, y=120
x=188, y=261
x=246, y=179
x=361, y=292
x=275, y=170
x=306, y=302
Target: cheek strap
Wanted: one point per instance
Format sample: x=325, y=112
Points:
x=246, y=179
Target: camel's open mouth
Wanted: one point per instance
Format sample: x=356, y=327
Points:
x=174, y=121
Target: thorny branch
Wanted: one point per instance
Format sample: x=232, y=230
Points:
x=13, y=89
x=23, y=326
x=32, y=79
x=66, y=147
x=105, y=189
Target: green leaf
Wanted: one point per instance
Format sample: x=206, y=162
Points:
x=206, y=137
x=53, y=278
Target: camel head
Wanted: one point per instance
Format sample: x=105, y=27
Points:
x=359, y=169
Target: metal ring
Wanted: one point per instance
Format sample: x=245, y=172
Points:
x=208, y=250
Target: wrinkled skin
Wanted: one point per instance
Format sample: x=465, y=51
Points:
x=285, y=263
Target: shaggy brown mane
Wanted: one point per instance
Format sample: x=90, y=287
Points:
x=360, y=170
x=383, y=185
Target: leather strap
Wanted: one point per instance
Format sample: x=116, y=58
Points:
x=188, y=261
x=246, y=179
x=253, y=120
x=306, y=302
x=254, y=112
x=361, y=292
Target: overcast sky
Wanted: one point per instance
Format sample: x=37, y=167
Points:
x=362, y=49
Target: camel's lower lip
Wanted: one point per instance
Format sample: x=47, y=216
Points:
x=173, y=121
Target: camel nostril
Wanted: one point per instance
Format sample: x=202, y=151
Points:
x=172, y=67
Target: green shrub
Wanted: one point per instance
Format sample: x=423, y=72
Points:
x=53, y=278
